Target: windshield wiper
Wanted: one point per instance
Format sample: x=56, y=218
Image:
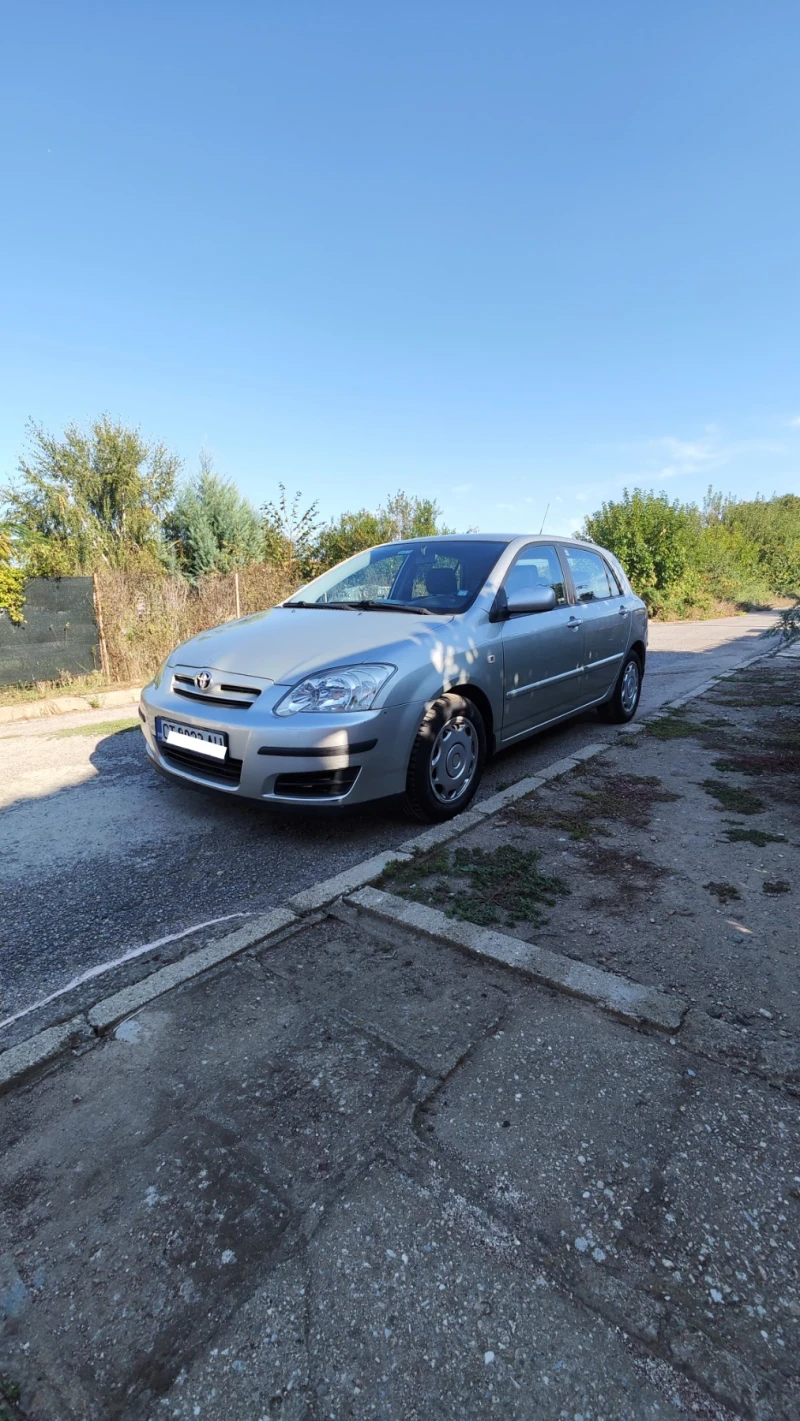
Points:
x=310, y=604
x=369, y=604
x=366, y=605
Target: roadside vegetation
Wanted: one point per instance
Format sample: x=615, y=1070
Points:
x=174, y=553
x=690, y=561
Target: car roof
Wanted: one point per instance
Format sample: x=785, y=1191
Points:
x=498, y=538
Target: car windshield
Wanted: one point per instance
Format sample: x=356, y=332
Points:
x=438, y=576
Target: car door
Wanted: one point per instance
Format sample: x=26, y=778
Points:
x=606, y=620
x=542, y=651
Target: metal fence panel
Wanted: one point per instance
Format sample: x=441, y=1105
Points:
x=59, y=634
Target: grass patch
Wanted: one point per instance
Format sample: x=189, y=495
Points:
x=671, y=727
x=737, y=767
x=46, y=690
x=627, y=797
x=633, y=878
x=725, y=892
x=736, y=801
x=504, y=881
x=421, y=866
x=735, y=834
x=503, y=885
x=776, y=762
x=776, y=885
x=575, y=823
x=100, y=727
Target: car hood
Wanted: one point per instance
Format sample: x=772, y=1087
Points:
x=285, y=644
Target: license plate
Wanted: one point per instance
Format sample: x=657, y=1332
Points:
x=188, y=737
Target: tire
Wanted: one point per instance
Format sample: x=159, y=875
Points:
x=446, y=761
x=624, y=700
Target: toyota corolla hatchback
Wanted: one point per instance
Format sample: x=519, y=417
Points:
x=399, y=671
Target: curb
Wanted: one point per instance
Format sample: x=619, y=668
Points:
x=63, y=705
x=625, y=998
x=46, y=1046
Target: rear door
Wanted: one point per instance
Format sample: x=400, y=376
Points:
x=542, y=651
x=606, y=620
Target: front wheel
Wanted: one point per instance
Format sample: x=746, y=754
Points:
x=447, y=759
x=625, y=698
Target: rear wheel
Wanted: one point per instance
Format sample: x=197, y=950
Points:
x=625, y=699
x=447, y=759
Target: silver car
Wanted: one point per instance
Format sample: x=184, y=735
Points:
x=398, y=672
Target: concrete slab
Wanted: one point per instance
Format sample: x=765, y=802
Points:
x=627, y=999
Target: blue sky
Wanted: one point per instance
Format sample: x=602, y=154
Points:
x=505, y=254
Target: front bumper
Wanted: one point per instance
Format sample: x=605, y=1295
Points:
x=316, y=760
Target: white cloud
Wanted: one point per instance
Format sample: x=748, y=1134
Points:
x=795, y=423
x=700, y=456
x=461, y=488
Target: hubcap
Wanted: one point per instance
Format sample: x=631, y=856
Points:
x=629, y=694
x=453, y=759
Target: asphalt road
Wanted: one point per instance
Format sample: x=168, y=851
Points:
x=99, y=854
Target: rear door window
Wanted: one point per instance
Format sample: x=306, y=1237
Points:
x=590, y=575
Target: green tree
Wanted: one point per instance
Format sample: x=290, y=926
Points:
x=772, y=528
x=12, y=580
x=211, y=527
x=654, y=539
x=90, y=499
x=402, y=517
x=290, y=535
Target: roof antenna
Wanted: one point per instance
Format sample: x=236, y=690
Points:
x=544, y=520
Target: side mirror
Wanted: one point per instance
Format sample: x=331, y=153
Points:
x=532, y=599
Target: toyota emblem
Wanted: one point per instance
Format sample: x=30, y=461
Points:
x=203, y=681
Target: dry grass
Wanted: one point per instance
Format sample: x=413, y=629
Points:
x=145, y=616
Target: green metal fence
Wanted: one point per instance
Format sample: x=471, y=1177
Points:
x=58, y=637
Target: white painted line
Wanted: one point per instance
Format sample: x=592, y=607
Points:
x=105, y=1013
x=128, y=956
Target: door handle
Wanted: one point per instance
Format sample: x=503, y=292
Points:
x=623, y=611
x=574, y=623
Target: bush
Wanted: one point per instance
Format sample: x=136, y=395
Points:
x=653, y=538
x=146, y=616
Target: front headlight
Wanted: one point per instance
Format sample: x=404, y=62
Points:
x=345, y=688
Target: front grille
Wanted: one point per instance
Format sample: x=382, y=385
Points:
x=245, y=695
x=226, y=771
x=318, y=784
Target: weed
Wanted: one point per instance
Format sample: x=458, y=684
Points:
x=9, y=1393
x=504, y=884
x=104, y=727
x=627, y=797
x=671, y=727
x=776, y=885
x=778, y=762
x=726, y=892
x=787, y=738
x=736, y=801
x=415, y=870
x=577, y=823
x=735, y=834
x=506, y=879
x=737, y=767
